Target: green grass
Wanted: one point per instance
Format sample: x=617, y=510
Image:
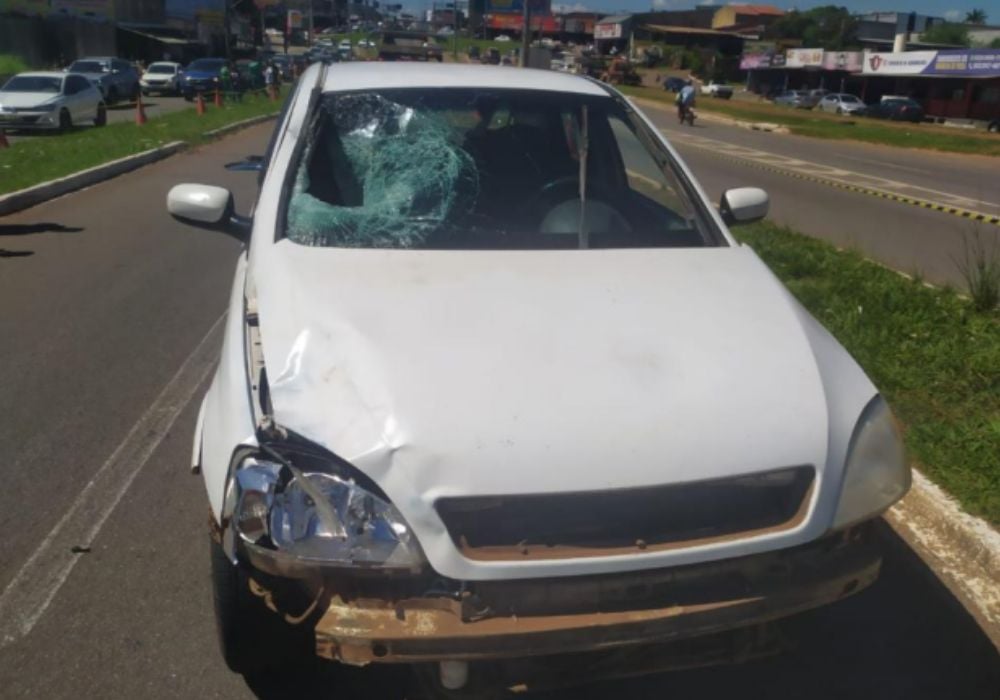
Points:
x=9, y=64
x=830, y=126
x=47, y=156
x=934, y=357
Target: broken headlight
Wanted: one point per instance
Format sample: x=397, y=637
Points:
x=320, y=517
x=877, y=473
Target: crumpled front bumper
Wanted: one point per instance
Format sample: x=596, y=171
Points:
x=508, y=619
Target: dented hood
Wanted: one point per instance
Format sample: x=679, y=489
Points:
x=496, y=372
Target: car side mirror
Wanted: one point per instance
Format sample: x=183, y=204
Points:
x=743, y=205
x=209, y=207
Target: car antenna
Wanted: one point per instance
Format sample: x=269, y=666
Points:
x=583, y=147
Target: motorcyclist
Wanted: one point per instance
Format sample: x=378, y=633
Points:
x=685, y=100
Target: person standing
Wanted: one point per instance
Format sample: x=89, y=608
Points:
x=269, y=80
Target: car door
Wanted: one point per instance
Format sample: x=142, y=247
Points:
x=71, y=98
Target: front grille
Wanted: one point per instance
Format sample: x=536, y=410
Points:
x=619, y=521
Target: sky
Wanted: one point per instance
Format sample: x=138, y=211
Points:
x=950, y=9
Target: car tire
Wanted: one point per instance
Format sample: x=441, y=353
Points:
x=65, y=120
x=145, y=93
x=102, y=115
x=254, y=640
x=994, y=128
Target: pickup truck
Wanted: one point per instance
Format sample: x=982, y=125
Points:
x=714, y=89
x=408, y=46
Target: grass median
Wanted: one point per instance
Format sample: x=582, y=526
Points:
x=831, y=126
x=47, y=156
x=935, y=358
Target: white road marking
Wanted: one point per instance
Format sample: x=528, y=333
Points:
x=31, y=591
x=814, y=169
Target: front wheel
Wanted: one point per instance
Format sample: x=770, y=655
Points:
x=102, y=116
x=254, y=640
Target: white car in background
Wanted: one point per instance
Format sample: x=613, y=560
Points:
x=162, y=77
x=842, y=103
x=447, y=430
x=50, y=100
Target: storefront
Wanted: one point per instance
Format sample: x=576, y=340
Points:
x=771, y=72
x=952, y=84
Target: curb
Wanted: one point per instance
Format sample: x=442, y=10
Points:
x=962, y=550
x=236, y=126
x=36, y=194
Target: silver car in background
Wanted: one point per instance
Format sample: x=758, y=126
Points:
x=800, y=99
x=842, y=103
x=50, y=100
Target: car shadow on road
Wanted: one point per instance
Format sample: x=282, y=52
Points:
x=44, y=227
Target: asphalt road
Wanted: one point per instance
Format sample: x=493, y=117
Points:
x=102, y=299
x=154, y=105
x=905, y=237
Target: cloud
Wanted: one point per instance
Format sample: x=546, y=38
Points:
x=954, y=15
x=560, y=8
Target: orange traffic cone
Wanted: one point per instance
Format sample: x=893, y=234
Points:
x=218, y=98
x=3, y=140
x=200, y=104
x=140, y=111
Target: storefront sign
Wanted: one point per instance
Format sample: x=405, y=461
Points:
x=804, y=58
x=755, y=61
x=849, y=61
x=973, y=62
x=612, y=30
x=905, y=63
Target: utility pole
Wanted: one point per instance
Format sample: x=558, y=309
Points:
x=526, y=18
x=312, y=25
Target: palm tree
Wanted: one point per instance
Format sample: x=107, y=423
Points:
x=975, y=17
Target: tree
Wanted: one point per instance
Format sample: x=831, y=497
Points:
x=947, y=33
x=828, y=27
x=976, y=16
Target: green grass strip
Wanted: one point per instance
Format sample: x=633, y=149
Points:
x=47, y=156
x=831, y=126
x=935, y=358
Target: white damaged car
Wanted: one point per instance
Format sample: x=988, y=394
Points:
x=498, y=383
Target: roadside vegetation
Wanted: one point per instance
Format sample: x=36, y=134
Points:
x=46, y=156
x=934, y=355
x=10, y=64
x=830, y=126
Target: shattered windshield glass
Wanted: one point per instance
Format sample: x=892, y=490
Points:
x=461, y=168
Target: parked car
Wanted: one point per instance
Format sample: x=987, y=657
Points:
x=116, y=79
x=502, y=37
x=842, y=103
x=205, y=75
x=674, y=84
x=441, y=433
x=714, y=89
x=800, y=99
x=897, y=109
x=50, y=100
x=162, y=77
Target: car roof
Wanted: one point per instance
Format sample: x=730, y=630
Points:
x=369, y=75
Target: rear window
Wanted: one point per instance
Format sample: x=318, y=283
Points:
x=457, y=168
x=206, y=64
x=90, y=67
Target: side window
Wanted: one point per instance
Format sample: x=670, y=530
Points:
x=644, y=175
x=70, y=87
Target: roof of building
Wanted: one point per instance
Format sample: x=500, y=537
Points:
x=614, y=19
x=769, y=10
x=365, y=75
x=672, y=29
